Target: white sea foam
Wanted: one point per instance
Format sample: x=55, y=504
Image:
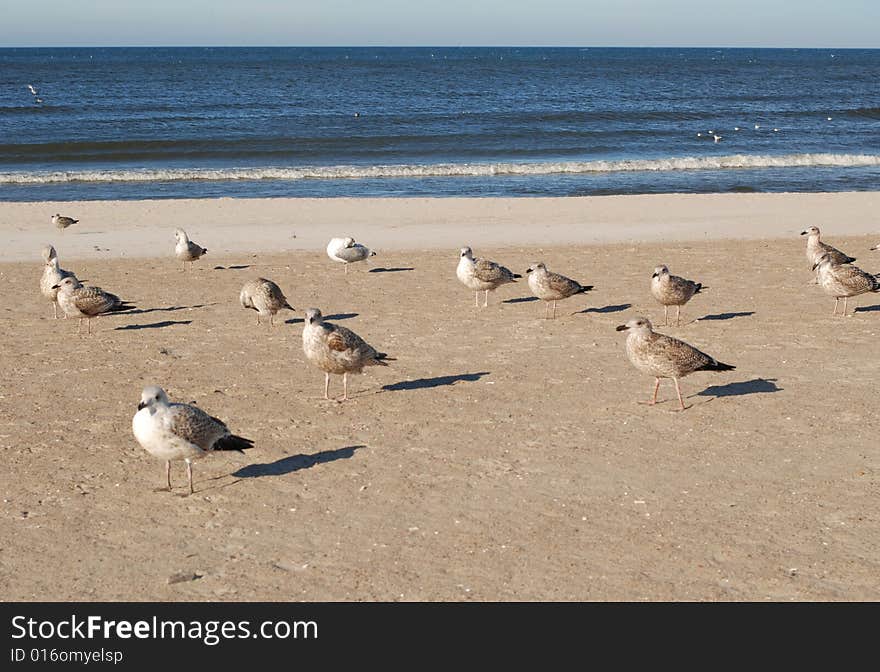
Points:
x=732, y=162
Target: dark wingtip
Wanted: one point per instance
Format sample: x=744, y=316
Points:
x=719, y=366
x=233, y=442
x=585, y=288
x=516, y=275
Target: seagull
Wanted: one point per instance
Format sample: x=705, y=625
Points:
x=338, y=350
x=736, y=128
x=32, y=89
x=63, y=222
x=553, y=287
x=672, y=290
x=186, y=250
x=816, y=248
x=876, y=247
x=664, y=356
x=482, y=275
x=180, y=432
x=53, y=274
x=77, y=300
x=265, y=297
x=757, y=127
x=843, y=281
x=717, y=137
x=347, y=251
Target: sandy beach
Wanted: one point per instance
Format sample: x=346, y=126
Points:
x=501, y=457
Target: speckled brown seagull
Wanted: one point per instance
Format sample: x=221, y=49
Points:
x=664, y=356
x=77, y=300
x=816, y=248
x=672, y=290
x=265, y=297
x=482, y=275
x=843, y=281
x=552, y=287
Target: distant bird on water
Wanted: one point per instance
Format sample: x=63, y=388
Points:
x=186, y=250
x=664, y=356
x=63, y=222
x=552, y=287
x=672, y=290
x=32, y=89
x=338, y=350
x=185, y=432
x=347, y=251
x=265, y=297
x=482, y=275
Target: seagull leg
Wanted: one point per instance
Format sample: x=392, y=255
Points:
x=486, y=300
x=345, y=266
x=89, y=323
x=345, y=386
x=189, y=475
x=326, y=385
x=678, y=316
x=836, y=301
x=168, y=473
x=271, y=320
x=476, y=299
x=654, y=398
x=665, y=315
x=844, y=305
x=55, y=309
x=554, y=310
x=678, y=391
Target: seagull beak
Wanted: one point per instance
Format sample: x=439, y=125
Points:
x=655, y=275
x=804, y=233
x=622, y=327
x=528, y=270
x=56, y=286
x=141, y=406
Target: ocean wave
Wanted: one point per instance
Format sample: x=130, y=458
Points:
x=733, y=162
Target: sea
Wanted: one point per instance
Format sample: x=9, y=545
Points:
x=147, y=123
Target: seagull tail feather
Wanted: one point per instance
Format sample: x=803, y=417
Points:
x=233, y=442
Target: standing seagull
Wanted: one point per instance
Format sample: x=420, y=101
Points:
x=186, y=250
x=335, y=349
x=53, y=274
x=79, y=301
x=265, y=297
x=664, y=356
x=482, y=275
x=346, y=251
x=672, y=290
x=180, y=432
x=553, y=287
x=843, y=281
x=63, y=222
x=816, y=248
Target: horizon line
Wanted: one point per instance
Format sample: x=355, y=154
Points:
x=424, y=46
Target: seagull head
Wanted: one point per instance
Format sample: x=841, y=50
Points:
x=812, y=231
x=536, y=267
x=313, y=316
x=467, y=252
x=821, y=261
x=49, y=254
x=69, y=283
x=151, y=396
x=180, y=234
x=662, y=269
x=637, y=324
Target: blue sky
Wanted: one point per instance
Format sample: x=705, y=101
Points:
x=761, y=23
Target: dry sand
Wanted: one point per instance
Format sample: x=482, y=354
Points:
x=502, y=457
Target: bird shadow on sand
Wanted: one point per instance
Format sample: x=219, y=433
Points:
x=329, y=318
x=169, y=309
x=726, y=316
x=240, y=267
x=391, y=270
x=522, y=299
x=152, y=325
x=754, y=386
x=439, y=381
x=287, y=465
x=606, y=309
x=867, y=309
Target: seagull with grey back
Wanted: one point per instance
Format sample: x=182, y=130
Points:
x=672, y=290
x=843, y=281
x=185, y=249
x=346, y=251
x=173, y=432
x=816, y=248
x=482, y=275
x=265, y=297
x=63, y=222
x=52, y=276
x=337, y=350
x=552, y=287
x=664, y=356
x=77, y=300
